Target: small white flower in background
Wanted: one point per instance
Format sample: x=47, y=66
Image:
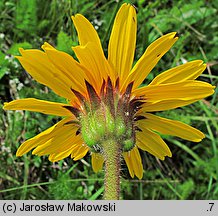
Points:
x=2, y=36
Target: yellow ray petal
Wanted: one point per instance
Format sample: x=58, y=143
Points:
x=86, y=31
x=152, y=141
x=127, y=158
x=171, y=127
x=187, y=71
x=63, y=153
x=97, y=161
x=63, y=139
x=149, y=59
x=137, y=162
x=121, y=47
x=165, y=105
x=68, y=66
x=32, y=104
x=96, y=63
x=41, y=138
x=134, y=162
x=187, y=90
x=59, y=156
x=144, y=147
x=37, y=64
x=88, y=38
x=80, y=152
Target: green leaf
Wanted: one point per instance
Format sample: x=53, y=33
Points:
x=3, y=64
x=186, y=189
x=64, y=42
x=3, y=70
x=25, y=18
x=14, y=50
x=3, y=61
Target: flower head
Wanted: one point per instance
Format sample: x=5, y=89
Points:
x=105, y=97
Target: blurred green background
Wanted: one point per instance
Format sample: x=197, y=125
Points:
x=192, y=172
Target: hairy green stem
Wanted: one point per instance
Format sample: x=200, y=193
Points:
x=112, y=170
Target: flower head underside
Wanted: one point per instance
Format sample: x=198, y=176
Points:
x=105, y=99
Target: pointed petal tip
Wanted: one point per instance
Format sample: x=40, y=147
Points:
x=46, y=46
x=35, y=151
x=127, y=6
x=21, y=51
x=124, y=5
x=201, y=62
x=196, y=140
x=132, y=174
x=201, y=136
x=167, y=153
x=18, y=57
x=52, y=159
x=140, y=177
x=77, y=17
x=5, y=106
x=43, y=46
x=73, y=17
x=38, y=151
x=171, y=35
x=164, y=157
x=176, y=35
x=76, y=158
x=8, y=105
x=20, y=152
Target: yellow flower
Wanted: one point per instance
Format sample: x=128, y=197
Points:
x=105, y=97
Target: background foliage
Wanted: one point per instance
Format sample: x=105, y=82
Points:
x=192, y=172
